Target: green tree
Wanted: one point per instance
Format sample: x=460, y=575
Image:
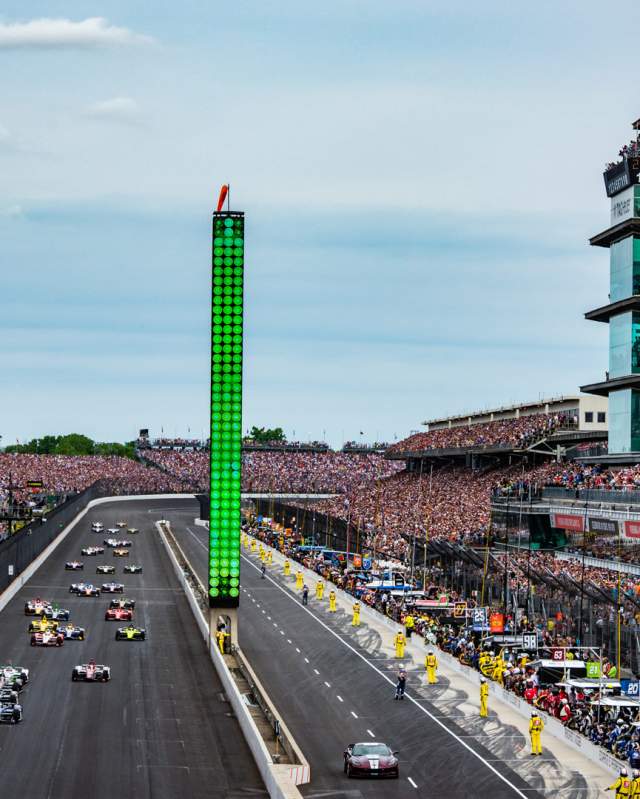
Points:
x=264, y=434
x=74, y=444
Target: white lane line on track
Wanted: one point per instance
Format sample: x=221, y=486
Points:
x=412, y=782
x=297, y=650
x=371, y=734
x=289, y=641
x=281, y=632
x=355, y=715
x=327, y=684
x=317, y=672
x=306, y=660
x=424, y=710
x=339, y=698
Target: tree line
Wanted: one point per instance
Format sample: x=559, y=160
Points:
x=73, y=444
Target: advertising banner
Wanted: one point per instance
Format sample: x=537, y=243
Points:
x=618, y=178
x=496, y=623
x=596, y=524
x=568, y=521
x=631, y=529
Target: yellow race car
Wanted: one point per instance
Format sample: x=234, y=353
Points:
x=43, y=625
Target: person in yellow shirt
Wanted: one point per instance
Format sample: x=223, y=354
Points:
x=263, y=554
x=332, y=602
x=431, y=665
x=635, y=784
x=319, y=589
x=409, y=624
x=253, y=545
x=220, y=640
x=355, y=621
x=623, y=786
x=536, y=725
x=498, y=670
x=299, y=580
x=484, y=697
x=287, y=568
x=269, y=558
x=400, y=642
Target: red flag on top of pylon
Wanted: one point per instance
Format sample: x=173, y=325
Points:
x=223, y=196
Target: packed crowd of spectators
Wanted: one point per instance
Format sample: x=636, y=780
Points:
x=515, y=433
x=631, y=150
x=293, y=472
x=170, y=443
x=576, y=475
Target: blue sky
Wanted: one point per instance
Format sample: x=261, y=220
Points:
x=420, y=180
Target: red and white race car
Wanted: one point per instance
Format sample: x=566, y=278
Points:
x=36, y=607
x=112, y=588
x=91, y=672
x=48, y=638
x=84, y=589
x=118, y=614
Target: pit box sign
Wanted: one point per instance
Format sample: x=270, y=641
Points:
x=593, y=669
x=630, y=688
x=479, y=620
x=557, y=654
x=530, y=642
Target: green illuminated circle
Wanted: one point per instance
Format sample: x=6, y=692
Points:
x=228, y=222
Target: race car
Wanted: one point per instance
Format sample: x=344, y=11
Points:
x=47, y=639
x=121, y=524
x=97, y=527
x=15, y=677
x=129, y=604
x=110, y=542
x=130, y=633
x=84, y=589
x=132, y=568
x=113, y=588
x=92, y=551
x=42, y=625
x=104, y=569
x=133, y=530
x=120, y=553
x=73, y=565
x=10, y=712
x=36, y=607
x=370, y=759
x=71, y=632
x=118, y=614
x=122, y=543
x=113, y=531
x=56, y=613
x=91, y=672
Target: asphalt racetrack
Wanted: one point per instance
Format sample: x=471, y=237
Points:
x=330, y=697
x=161, y=728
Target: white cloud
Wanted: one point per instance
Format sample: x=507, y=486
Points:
x=65, y=33
x=117, y=109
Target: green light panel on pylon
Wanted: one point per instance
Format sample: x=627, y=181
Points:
x=226, y=408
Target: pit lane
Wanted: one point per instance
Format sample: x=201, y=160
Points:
x=161, y=728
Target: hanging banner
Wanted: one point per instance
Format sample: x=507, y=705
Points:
x=600, y=525
x=632, y=529
x=496, y=623
x=567, y=521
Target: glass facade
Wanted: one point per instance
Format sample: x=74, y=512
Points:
x=625, y=268
x=624, y=344
x=226, y=408
x=624, y=421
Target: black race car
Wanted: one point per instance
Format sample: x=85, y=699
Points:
x=104, y=569
x=8, y=695
x=10, y=712
x=91, y=672
x=132, y=568
x=130, y=633
x=370, y=759
x=73, y=565
x=129, y=604
x=112, y=588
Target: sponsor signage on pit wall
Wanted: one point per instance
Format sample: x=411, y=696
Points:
x=568, y=521
x=625, y=205
x=599, y=525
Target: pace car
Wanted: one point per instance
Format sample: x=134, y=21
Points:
x=73, y=565
x=43, y=625
x=132, y=568
x=120, y=553
x=370, y=759
x=92, y=551
x=112, y=588
x=121, y=524
x=47, y=639
x=72, y=633
x=129, y=604
x=10, y=712
x=104, y=569
x=15, y=677
x=91, y=672
x=84, y=589
x=130, y=633
x=118, y=614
